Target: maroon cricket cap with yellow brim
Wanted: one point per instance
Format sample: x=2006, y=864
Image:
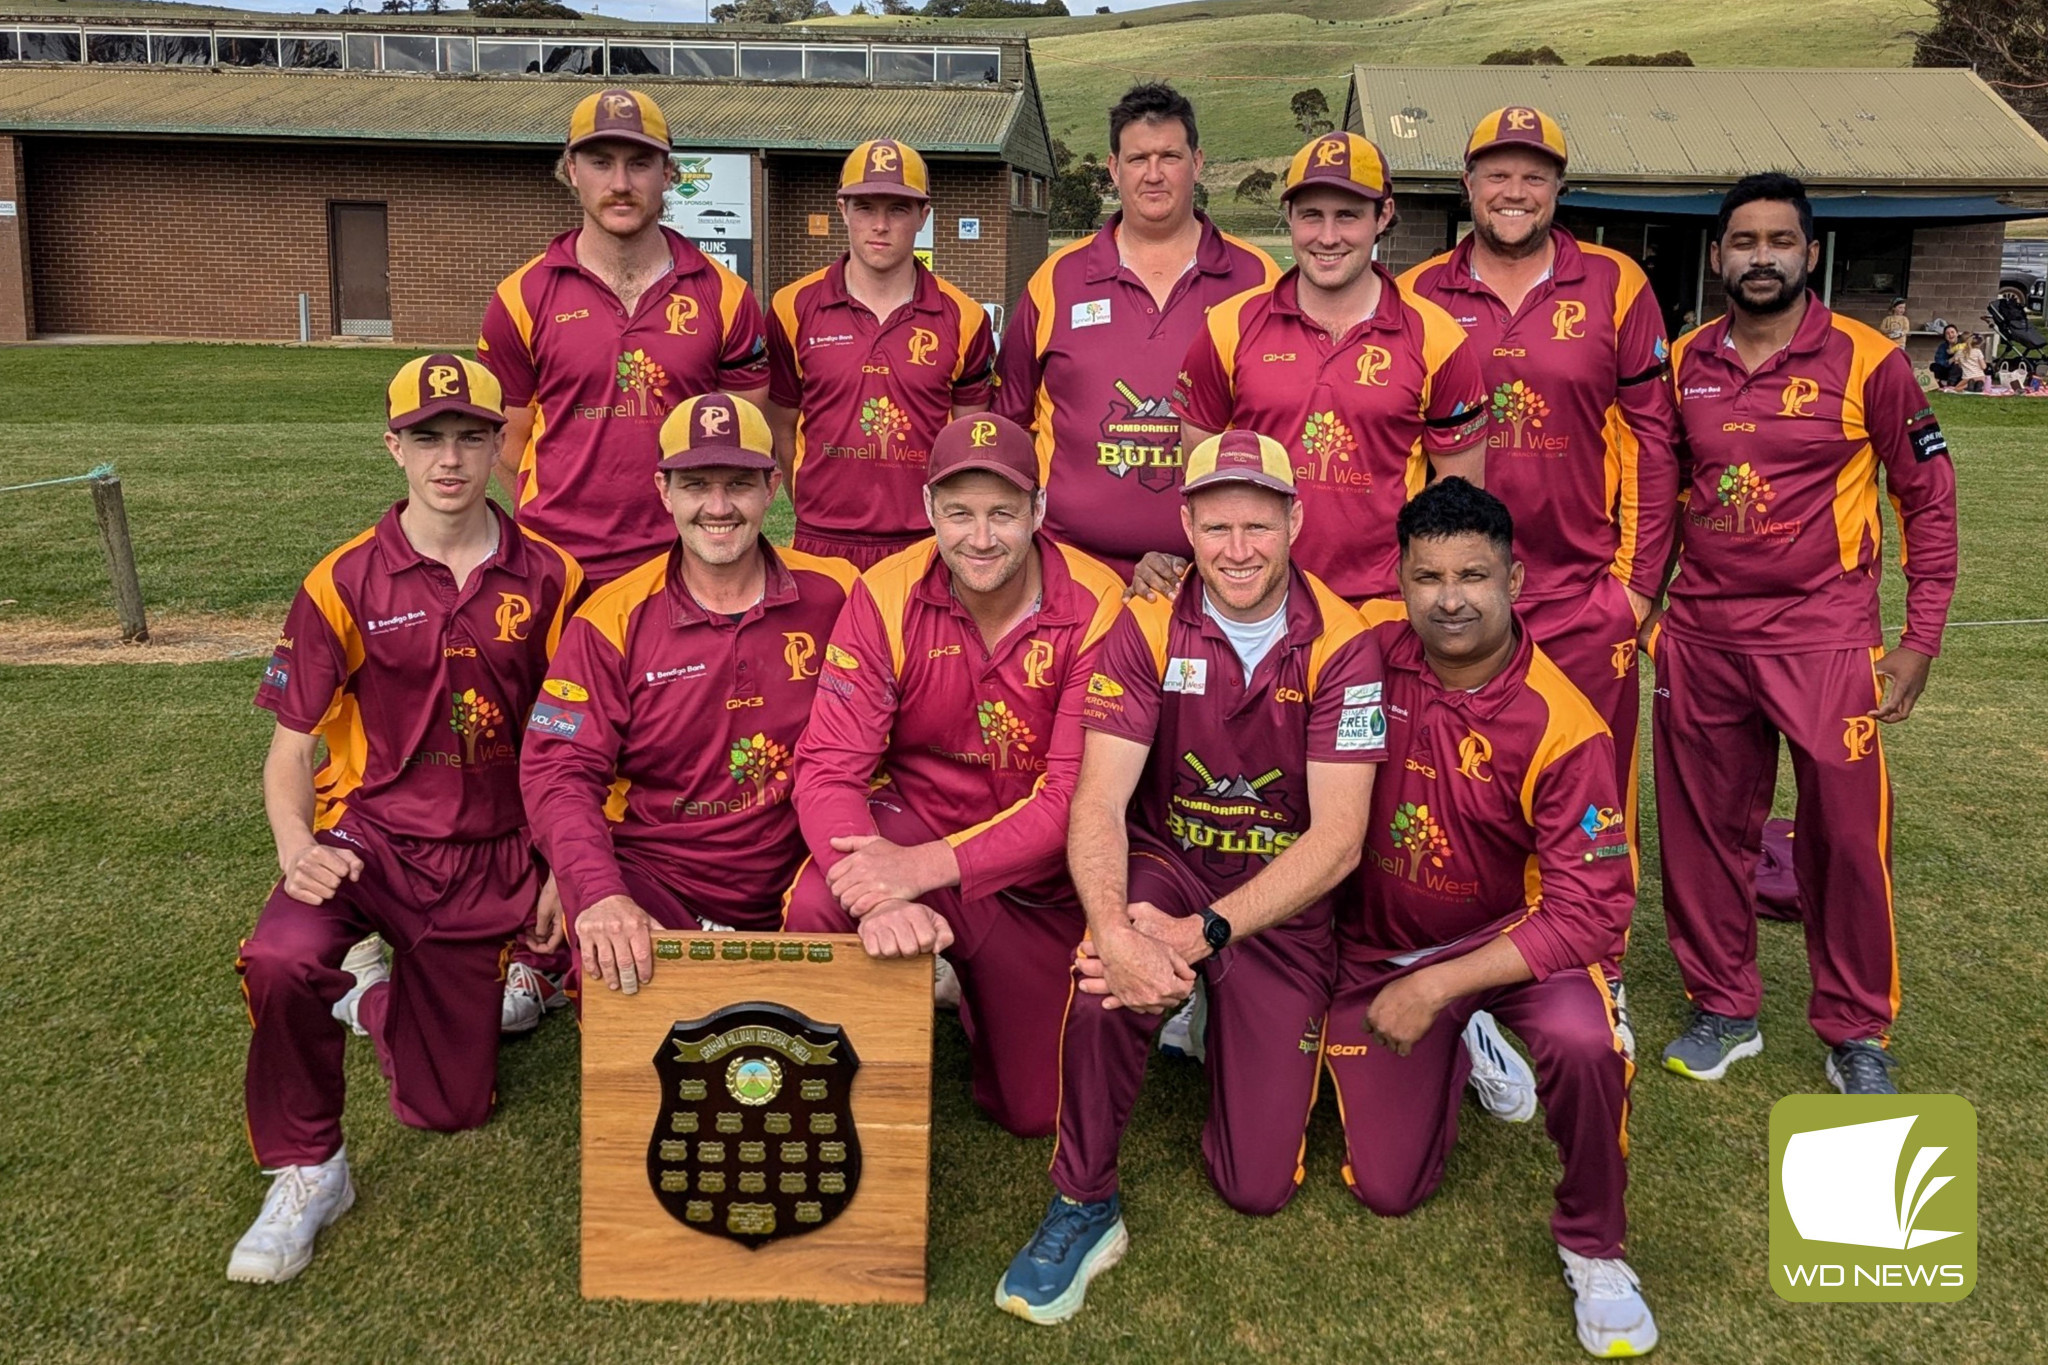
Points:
x=618, y=115
x=716, y=430
x=1238, y=456
x=1518, y=125
x=885, y=166
x=433, y=384
x=1342, y=161
x=984, y=443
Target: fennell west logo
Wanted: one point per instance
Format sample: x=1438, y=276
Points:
x=1873, y=1198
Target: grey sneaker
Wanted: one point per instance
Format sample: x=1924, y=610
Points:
x=1862, y=1067
x=1705, y=1049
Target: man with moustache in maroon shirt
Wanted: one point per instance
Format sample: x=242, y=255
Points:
x=657, y=770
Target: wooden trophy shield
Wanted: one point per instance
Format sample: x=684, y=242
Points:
x=757, y=1123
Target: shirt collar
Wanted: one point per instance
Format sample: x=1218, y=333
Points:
x=925, y=298
x=1404, y=651
x=1386, y=314
x=561, y=253
x=1567, y=264
x=396, y=554
x=1056, y=584
x=1105, y=262
x=684, y=610
x=1304, y=616
x=1814, y=328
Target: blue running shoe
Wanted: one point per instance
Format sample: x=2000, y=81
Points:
x=1074, y=1243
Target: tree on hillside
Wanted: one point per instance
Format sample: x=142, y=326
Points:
x=1675, y=57
x=2004, y=41
x=1311, y=112
x=898, y=7
x=769, y=11
x=521, y=9
x=1257, y=186
x=1523, y=56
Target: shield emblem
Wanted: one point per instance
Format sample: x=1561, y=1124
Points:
x=755, y=1138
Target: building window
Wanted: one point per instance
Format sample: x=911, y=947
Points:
x=49, y=45
x=835, y=63
x=1020, y=193
x=458, y=55
x=970, y=68
x=509, y=59
x=9, y=50
x=246, y=49
x=1040, y=193
x=629, y=59
x=571, y=59
x=772, y=63
x=409, y=52
x=180, y=49
x=909, y=66
x=703, y=61
x=313, y=54
x=1872, y=260
x=361, y=49
x=116, y=47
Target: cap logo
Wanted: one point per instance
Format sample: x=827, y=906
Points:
x=1372, y=365
x=619, y=106
x=882, y=157
x=713, y=421
x=982, y=434
x=1331, y=151
x=445, y=381
x=1520, y=120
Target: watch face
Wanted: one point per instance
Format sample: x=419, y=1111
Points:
x=1216, y=930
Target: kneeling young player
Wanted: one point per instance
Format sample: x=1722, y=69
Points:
x=1496, y=877
x=413, y=651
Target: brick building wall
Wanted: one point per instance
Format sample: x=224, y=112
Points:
x=218, y=239
x=17, y=299
x=1954, y=273
x=1421, y=233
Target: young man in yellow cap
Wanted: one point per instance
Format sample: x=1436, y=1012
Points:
x=596, y=340
x=688, y=680
x=868, y=358
x=412, y=651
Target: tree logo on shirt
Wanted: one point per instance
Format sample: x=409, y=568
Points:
x=1038, y=659
x=1519, y=408
x=682, y=315
x=1327, y=440
x=1416, y=833
x=1745, y=491
x=1568, y=321
x=798, y=650
x=642, y=379
x=884, y=421
x=1859, y=737
x=1004, y=730
x=1373, y=364
x=1799, y=395
x=513, y=615
x=473, y=717
x=923, y=341
x=761, y=761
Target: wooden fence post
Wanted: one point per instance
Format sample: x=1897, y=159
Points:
x=112, y=516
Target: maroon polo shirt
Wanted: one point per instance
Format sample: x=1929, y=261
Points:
x=1582, y=434
x=557, y=338
x=1497, y=812
x=668, y=732
x=417, y=686
x=1362, y=414
x=982, y=745
x=1225, y=787
x=1780, y=535
x=870, y=395
x=1088, y=365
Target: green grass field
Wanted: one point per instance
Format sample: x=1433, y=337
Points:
x=133, y=854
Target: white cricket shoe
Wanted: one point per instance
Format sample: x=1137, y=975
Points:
x=1186, y=1031
x=529, y=994
x=302, y=1200
x=1501, y=1080
x=945, y=985
x=365, y=962
x=1613, y=1319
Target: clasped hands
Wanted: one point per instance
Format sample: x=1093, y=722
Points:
x=879, y=883
x=1146, y=965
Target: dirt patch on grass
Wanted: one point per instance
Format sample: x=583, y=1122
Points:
x=174, y=638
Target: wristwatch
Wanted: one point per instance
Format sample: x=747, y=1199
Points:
x=1215, y=929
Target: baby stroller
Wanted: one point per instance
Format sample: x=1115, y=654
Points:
x=2019, y=345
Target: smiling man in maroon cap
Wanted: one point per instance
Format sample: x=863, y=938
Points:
x=688, y=680
x=958, y=672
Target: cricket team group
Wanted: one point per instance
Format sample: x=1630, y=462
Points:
x=1238, y=661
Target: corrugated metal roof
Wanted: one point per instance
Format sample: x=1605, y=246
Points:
x=374, y=108
x=1905, y=127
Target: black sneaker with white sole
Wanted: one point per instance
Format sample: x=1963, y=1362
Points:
x=1712, y=1041
x=1861, y=1066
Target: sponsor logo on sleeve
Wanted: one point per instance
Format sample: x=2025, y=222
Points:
x=549, y=719
x=840, y=658
x=1360, y=728
x=566, y=690
x=278, y=675
x=1928, y=442
x=1362, y=694
x=1607, y=828
x=1102, y=685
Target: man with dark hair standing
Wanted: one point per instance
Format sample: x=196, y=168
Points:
x=1497, y=876
x=1788, y=411
x=1089, y=358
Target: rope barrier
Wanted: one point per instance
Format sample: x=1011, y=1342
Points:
x=104, y=471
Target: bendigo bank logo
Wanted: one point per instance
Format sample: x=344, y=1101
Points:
x=982, y=434
x=1037, y=663
x=1475, y=751
x=882, y=158
x=1859, y=737
x=1373, y=363
x=923, y=341
x=513, y=615
x=1799, y=396
x=798, y=650
x=682, y=313
x=1568, y=321
x=444, y=380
